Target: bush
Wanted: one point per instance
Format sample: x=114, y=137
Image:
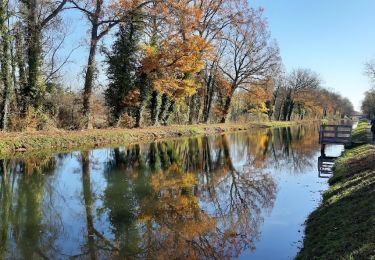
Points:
x=34, y=120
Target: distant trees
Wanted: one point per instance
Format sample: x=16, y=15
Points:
x=299, y=83
x=370, y=70
x=299, y=95
x=368, y=104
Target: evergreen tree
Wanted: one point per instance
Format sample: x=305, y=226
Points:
x=123, y=65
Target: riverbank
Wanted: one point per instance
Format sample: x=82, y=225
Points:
x=16, y=143
x=343, y=227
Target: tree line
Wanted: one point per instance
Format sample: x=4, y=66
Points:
x=169, y=61
x=368, y=103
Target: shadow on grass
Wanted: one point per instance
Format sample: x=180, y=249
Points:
x=343, y=227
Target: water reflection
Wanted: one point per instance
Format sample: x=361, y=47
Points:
x=198, y=198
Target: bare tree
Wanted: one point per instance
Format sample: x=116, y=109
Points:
x=249, y=58
x=102, y=17
x=299, y=81
x=38, y=16
x=370, y=70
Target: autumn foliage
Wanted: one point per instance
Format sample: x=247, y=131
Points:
x=160, y=62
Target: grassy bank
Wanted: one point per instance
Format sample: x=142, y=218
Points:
x=11, y=143
x=343, y=227
x=360, y=133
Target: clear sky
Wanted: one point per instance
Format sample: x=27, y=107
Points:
x=335, y=38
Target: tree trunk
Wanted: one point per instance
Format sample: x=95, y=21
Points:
x=89, y=78
x=154, y=107
x=290, y=112
x=87, y=197
x=34, y=93
x=169, y=112
x=287, y=107
x=22, y=80
x=207, y=104
x=5, y=68
x=192, y=107
x=139, y=113
x=144, y=89
x=228, y=101
x=272, y=102
x=163, y=107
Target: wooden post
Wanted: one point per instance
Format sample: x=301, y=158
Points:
x=322, y=151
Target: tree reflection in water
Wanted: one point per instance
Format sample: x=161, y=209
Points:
x=198, y=198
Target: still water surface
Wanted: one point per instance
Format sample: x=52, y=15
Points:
x=243, y=195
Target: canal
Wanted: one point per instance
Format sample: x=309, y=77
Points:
x=241, y=195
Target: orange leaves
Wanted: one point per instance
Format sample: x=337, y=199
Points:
x=224, y=86
x=127, y=5
x=132, y=98
x=257, y=96
x=174, y=61
x=260, y=92
x=174, y=66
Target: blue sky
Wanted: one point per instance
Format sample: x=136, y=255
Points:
x=335, y=38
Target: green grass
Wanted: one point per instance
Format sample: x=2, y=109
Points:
x=343, y=227
x=353, y=161
x=359, y=134
x=277, y=124
x=195, y=131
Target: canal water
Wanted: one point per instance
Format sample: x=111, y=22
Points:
x=242, y=195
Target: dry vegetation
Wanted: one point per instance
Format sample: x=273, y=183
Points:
x=11, y=143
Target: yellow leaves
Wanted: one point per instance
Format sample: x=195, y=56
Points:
x=256, y=97
x=177, y=54
x=176, y=88
x=174, y=65
x=173, y=178
x=259, y=107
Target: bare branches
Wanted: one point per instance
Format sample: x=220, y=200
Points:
x=250, y=56
x=303, y=79
x=370, y=70
x=54, y=13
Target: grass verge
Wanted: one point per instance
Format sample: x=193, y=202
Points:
x=343, y=227
x=359, y=134
x=12, y=144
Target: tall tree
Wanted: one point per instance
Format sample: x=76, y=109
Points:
x=299, y=82
x=38, y=15
x=368, y=104
x=174, y=61
x=123, y=67
x=214, y=17
x=103, y=16
x=249, y=57
x=5, y=62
